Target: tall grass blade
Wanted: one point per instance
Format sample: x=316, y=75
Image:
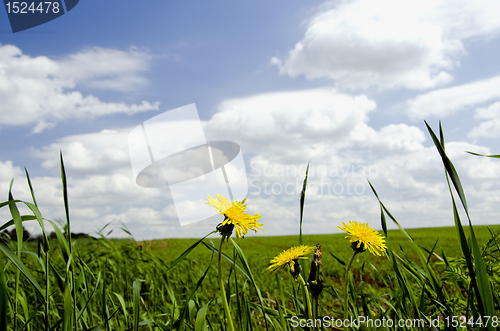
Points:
x=21, y=267
x=216, y=251
x=185, y=310
x=121, y=301
x=36, y=212
x=481, y=284
x=36, y=215
x=252, y=279
x=24, y=218
x=68, y=232
x=19, y=232
x=65, y=198
x=338, y=258
x=236, y=288
x=302, y=202
x=494, y=156
x=16, y=217
x=450, y=169
x=201, y=322
x=187, y=251
x=137, y=297
x=91, y=296
x=68, y=308
x=483, y=280
x=3, y=301
x=30, y=186
x=63, y=244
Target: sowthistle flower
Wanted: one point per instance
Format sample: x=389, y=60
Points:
x=291, y=258
x=235, y=217
x=363, y=237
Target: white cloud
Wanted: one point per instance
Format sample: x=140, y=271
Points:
x=102, y=188
x=7, y=172
x=400, y=138
x=280, y=132
x=100, y=152
x=490, y=125
x=98, y=165
x=411, y=185
x=293, y=125
x=106, y=68
x=390, y=43
x=345, y=150
x=41, y=91
x=447, y=101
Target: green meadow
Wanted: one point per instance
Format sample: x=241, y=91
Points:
x=260, y=250
x=426, y=279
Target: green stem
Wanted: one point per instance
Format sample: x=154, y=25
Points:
x=346, y=291
x=223, y=291
x=19, y=248
x=16, y=287
x=309, y=310
x=47, y=290
x=316, y=313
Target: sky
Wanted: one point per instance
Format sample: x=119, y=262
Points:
x=344, y=85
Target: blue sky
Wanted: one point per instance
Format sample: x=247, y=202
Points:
x=345, y=84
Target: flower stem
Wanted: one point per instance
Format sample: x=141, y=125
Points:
x=309, y=310
x=230, y=326
x=346, y=288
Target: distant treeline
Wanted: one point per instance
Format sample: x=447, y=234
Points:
x=27, y=236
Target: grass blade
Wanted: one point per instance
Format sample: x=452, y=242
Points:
x=68, y=308
x=494, y=156
x=480, y=281
x=302, y=202
x=187, y=251
x=252, y=279
x=450, y=169
x=137, y=298
x=24, y=218
x=216, y=251
x=201, y=323
x=21, y=267
x=3, y=301
x=188, y=299
x=90, y=298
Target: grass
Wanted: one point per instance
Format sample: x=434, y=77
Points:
x=446, y=275
x=263, y=249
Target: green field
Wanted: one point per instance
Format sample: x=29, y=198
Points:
x=450, y=276
x=110, y=268
x=260, y=250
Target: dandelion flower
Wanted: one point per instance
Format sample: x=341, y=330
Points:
x=363, y=237
x=235, y=217
x=290, y=257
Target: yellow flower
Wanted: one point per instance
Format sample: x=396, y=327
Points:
x=235, y=216
x=290, y=257
x=363, y=237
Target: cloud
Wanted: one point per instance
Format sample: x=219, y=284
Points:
x=292, y=125
x=490, y=126
x=101, y=186
x=106, y=68
x=448, y=101
x=41, y=91
x=277, y=134
x=390, y=43
x=8, y=172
